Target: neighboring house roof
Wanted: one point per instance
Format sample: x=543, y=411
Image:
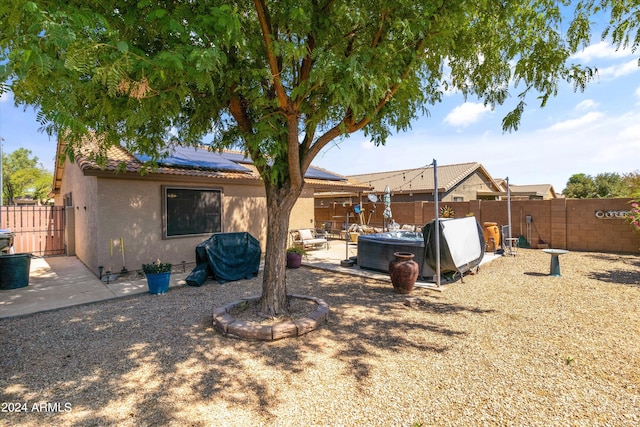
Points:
x=535, y=190
x=539, y=190
x=190, y=162
x=422, y=179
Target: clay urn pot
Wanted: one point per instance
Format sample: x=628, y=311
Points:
x=404, y=272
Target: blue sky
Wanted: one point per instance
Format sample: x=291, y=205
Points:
x=590, y=132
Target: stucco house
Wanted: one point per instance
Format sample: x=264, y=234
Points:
x=456, y=183
x=116, y=217
x=529, y=191
x=523, y=192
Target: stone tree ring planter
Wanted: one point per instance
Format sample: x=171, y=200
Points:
x=225, y=323
x=403, y=271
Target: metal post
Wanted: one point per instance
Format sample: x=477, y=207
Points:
x=346, y=234
x=1, y=182
x=509, y=215
x=437, y=221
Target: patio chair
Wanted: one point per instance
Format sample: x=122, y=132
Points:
x=307, y=238
x=329, y=229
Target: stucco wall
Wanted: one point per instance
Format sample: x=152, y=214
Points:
x=468, y=188
x=302, y=214
x=114, y=209
x=85, y=220
x=132, y=209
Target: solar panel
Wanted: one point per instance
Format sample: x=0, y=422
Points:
x=237, y=157
x=316, y=173
x=192, y=157
x=313, y=172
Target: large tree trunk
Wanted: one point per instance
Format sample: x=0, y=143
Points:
x=280, y=202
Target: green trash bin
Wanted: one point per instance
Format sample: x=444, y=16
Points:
x=14, y=271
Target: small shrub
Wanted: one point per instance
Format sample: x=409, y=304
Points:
x=156, y=268
x=296, y=250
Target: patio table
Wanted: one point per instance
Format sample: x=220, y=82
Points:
x=512, y=245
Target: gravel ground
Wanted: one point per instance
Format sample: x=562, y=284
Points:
x=509, y=346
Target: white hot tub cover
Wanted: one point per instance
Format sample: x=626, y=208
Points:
x=462, y=244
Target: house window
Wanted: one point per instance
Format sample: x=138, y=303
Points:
x=191, y=211
x=458, y=198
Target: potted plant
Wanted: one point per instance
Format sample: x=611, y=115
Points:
x=158, y=275
x=294, y=256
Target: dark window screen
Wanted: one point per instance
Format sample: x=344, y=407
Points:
x=193, y=211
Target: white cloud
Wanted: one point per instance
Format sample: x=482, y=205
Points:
x=601, y=50
x=576, y=123
x=587, y=104
x=631, y=133
x=366, y=145
x=618, y=70
x=467, y=113
x=5, y=97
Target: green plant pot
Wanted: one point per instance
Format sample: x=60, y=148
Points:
x=158, y=283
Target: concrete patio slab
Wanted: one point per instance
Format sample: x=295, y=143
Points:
x=57, y=282
x=329, y=259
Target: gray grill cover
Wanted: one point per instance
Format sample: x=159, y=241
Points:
x=227, y=257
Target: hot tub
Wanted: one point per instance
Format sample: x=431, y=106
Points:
x=375, y=251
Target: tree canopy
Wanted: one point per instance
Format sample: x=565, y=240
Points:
x=22, y=176
x=603, y=185
x=632, y=181
x=282, y=79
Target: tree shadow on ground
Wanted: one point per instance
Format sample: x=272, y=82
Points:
x=625, y=271
x=147, y=355
x=619, y=276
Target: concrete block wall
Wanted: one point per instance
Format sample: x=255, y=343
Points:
x=574, y=224
x=591, y=225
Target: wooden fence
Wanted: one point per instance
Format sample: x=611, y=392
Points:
x=38, y=230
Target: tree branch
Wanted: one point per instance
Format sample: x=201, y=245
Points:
x=239, y=113
x=378, y=35
x=348, y=121
x=291, y=117
x=307, y=61
x=265, y=26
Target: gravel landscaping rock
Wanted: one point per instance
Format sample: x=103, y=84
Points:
x=509, y=346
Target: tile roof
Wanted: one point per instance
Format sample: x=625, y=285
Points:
x=538, y=189
x=121, y=161
x=420, y=179
x=541, y=189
